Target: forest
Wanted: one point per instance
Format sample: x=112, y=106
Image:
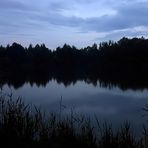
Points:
x=124, y=62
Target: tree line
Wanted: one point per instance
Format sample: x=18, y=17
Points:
x=124, y=60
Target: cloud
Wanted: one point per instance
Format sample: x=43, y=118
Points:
x=126, y=16
x=104, y=19
x=14, y=5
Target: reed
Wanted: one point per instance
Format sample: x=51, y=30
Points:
x=24, y=125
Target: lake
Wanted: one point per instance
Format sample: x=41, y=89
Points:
x=107, y=103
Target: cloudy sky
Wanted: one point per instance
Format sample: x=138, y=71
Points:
x=76, y=22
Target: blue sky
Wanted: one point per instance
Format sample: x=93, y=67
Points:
x=76, y=22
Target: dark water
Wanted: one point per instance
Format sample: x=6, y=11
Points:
x=111, y=104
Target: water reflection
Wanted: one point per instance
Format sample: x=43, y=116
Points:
x=41, y=80
x=113, y=105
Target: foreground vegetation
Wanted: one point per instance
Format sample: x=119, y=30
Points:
x=27, y=126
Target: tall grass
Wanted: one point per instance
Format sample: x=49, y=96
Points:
x=24, y=125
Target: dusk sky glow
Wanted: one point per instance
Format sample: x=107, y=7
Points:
x=75, y=22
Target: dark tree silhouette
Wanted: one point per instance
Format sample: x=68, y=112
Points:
x=120, y=63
